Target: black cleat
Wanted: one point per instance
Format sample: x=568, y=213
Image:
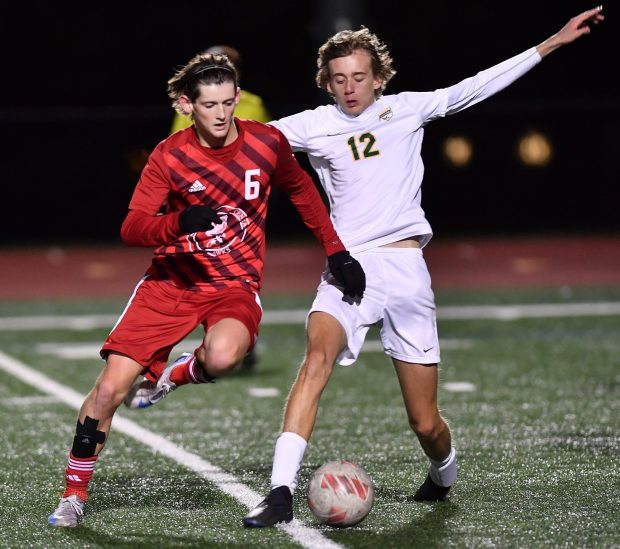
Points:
x=429, y=491
x=276, y=507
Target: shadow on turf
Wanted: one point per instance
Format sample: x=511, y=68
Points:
x=141, y=497
x=172, y=490
x=141, y=541
x=429, y=529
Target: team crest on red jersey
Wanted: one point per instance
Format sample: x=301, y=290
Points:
x=223, y=238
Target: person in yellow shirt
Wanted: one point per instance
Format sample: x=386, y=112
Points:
x=250, y=107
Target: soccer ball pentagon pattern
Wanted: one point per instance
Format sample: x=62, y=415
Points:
x=340, y=493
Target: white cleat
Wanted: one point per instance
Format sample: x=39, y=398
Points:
x=68, y=513
x=147, y=393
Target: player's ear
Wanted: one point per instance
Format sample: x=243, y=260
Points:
x=328, y=87
x=238, y=96
x=186, y=105
x=377, y=82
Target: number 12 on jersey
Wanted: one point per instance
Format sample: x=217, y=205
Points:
x=366, y=143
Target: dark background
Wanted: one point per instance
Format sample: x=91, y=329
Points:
x=84, y=92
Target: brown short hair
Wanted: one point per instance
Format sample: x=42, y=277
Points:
x=230, y=52
x=345, y=43
x=203, y=68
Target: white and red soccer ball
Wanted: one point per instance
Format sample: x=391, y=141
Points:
x=340, y=493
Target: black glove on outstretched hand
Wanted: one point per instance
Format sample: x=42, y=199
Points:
x=198, y=218
x=348, y=272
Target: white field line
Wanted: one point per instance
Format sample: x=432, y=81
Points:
x=61, y=322
x=89, y=349
x=227, y=483
x=29, y=400
x=263, y=392
x=539, y=310
x=298, y=316
x=458, y=386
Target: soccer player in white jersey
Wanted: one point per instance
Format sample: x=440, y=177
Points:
x=366, y=151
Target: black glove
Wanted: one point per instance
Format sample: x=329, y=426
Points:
x=198, y=218
x=349, y=273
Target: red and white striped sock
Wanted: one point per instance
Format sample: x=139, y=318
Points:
x=188, y=372
x=78, y=473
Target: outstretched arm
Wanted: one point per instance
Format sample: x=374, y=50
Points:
x=468, y=92
x=575, y=28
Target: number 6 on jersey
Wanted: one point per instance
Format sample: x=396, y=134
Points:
x=252, y=187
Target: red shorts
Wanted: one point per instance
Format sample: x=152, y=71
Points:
x=160, y=315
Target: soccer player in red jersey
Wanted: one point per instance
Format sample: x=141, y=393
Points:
x=202, y=202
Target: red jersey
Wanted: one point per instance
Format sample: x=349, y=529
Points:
x=235, y=181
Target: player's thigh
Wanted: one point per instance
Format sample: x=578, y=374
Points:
x=118, y=375
x=347, y=320
x=231, y=322
x=151, y=325
x=418, y=384
x=326, y=337
x=228, y=336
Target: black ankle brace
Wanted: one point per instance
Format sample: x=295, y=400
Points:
x=86, y=438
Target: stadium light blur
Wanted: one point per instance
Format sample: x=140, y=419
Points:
x=535, y=149
x=458, y=150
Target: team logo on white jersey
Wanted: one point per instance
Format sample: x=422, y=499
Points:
x=196, y=186
x=386, y=114
x=223, y=238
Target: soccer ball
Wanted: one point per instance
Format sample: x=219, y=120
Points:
x=340, y=493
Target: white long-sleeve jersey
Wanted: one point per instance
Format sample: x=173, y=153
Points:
x=370, y=165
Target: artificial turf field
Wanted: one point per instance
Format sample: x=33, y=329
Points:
x=534, y=406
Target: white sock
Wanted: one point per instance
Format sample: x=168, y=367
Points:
x=443, y=473
x=289, y=452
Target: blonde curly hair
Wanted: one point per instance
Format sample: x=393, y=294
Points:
x=345, y=43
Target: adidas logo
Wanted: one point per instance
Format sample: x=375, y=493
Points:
x=196, y=186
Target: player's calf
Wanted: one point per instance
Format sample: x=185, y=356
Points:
x=78, y=473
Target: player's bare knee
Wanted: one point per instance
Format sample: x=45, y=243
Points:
x=317, y=366
x=427, y=428
x=319, y=358
x=219, y=359
x=109, y=395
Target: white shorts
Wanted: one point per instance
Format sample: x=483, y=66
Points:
x=398, y=299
